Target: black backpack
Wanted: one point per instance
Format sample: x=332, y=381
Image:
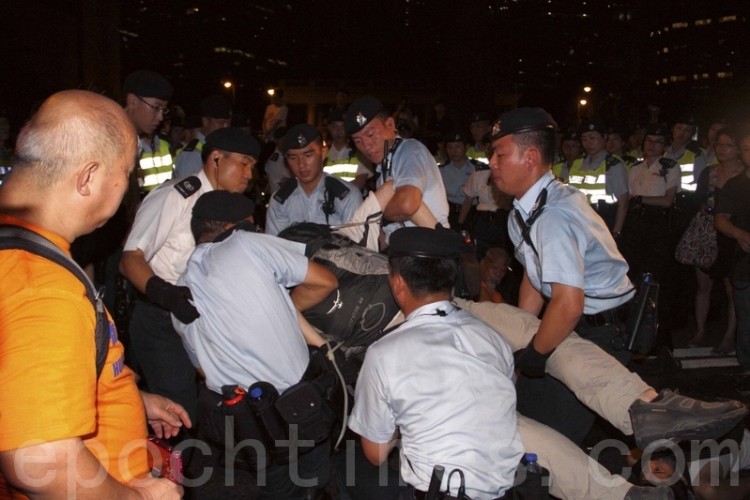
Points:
x=16, y=237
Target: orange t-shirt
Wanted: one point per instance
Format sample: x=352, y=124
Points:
x=48, y=385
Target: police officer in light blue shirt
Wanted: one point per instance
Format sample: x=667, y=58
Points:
x=312, y=195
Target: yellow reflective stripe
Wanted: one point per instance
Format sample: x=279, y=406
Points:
x=148, y=162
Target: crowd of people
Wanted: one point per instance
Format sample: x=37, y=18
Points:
x=512, y=252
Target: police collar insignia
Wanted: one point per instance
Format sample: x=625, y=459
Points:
x=301, y=140
x=361, y=120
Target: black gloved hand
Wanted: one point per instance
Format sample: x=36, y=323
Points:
x=175, y=299
x=530, y=361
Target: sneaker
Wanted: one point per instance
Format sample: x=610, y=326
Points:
x=679, y=418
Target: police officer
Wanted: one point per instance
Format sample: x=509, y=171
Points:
x=686, y=151
x=571, y=262
x=616, y=141
x=312, y=195
x=406, y=162
x=601, y=176
x=146, y=97
x=570, y=150
x=479, y=126
x=455, y=172
x=341, y=159
x=216, y=113
x=155, y=255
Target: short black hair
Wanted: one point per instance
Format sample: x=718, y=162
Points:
x=201, y=227
x=426, y=275
x=543, y=140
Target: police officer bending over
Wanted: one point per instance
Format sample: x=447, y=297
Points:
x=313, y=195
x=248, y=330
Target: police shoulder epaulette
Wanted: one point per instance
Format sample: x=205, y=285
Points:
x=286, y=190
x=612, y=160
x=694, y=147
x=188, y=186
x=336, y=187
x=629, y=160
x=479, y=165
x=274, y=156
x=190, y=146
x=444, y=163
x=667, y=162
x=638, y=162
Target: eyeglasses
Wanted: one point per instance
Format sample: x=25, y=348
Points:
x=156, y=109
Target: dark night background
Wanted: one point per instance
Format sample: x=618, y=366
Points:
x=487, y=55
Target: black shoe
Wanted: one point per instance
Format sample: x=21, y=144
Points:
x=679, y=418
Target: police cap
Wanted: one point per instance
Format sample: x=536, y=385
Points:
x=593, y=125
x=479, y=117
x=686, y=119
x=656, y=129
x=335, y=115
x=233, y=140
x=522, y=120
x=298, y=136
x=223, y=206
x=456, y=136
x=216, y=106
x=360, y=113
x=425, y=242
x=571, y=135
x=147, y=83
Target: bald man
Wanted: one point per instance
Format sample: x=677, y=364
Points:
x=81, y=434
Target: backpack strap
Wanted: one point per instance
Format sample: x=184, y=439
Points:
x=16, y=237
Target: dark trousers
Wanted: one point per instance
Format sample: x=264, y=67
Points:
x=160, y=357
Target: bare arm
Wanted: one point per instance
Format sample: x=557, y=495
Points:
x=560, y=318
x=164, y=415
x=622, y=212
x=725, y=226
x=529, y=298
x=319, y=282
x=134, y=267
x=311, y=335
x=377, y=453
x=67, y=469
x=404, y=203
x=465, y=208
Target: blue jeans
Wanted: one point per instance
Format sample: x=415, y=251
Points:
x=742, y=309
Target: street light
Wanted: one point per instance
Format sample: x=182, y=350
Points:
x=587, y=89
x=271, y=92
x=227, y=84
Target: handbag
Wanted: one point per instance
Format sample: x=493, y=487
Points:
x=697, y=246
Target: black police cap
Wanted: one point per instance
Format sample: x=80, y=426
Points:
x=216, y=106
x=233, y=140
x=686, y=119
x=336, y=115
x=299, y=136
x=571, y=135
x=456, y=136
x=479, y=117
x=593, y=125
x=147, y=83
x=656, y=129
x=360, y=113
x=522, y=120
x=223, y=206
x=425, y=242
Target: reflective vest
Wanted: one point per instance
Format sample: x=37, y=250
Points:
x=344, y=168
x=593, y=182
x=155, y=167
x=477, y=154
x=686, y=162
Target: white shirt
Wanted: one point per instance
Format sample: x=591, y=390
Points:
x=646, y=180
x=478, y=186
x=161, y=229
x=446, y=383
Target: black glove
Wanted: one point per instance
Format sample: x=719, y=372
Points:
x=175, y=299
x=530, y=361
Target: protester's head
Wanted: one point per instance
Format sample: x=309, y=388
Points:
x=302, y=147
x=77, y=152
x=727, y=145
x=229, y=156
x=523, y=149
x=218, y=211
x=370, y=127
x=425, y=259
x=494, y=265
x=147, y=94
